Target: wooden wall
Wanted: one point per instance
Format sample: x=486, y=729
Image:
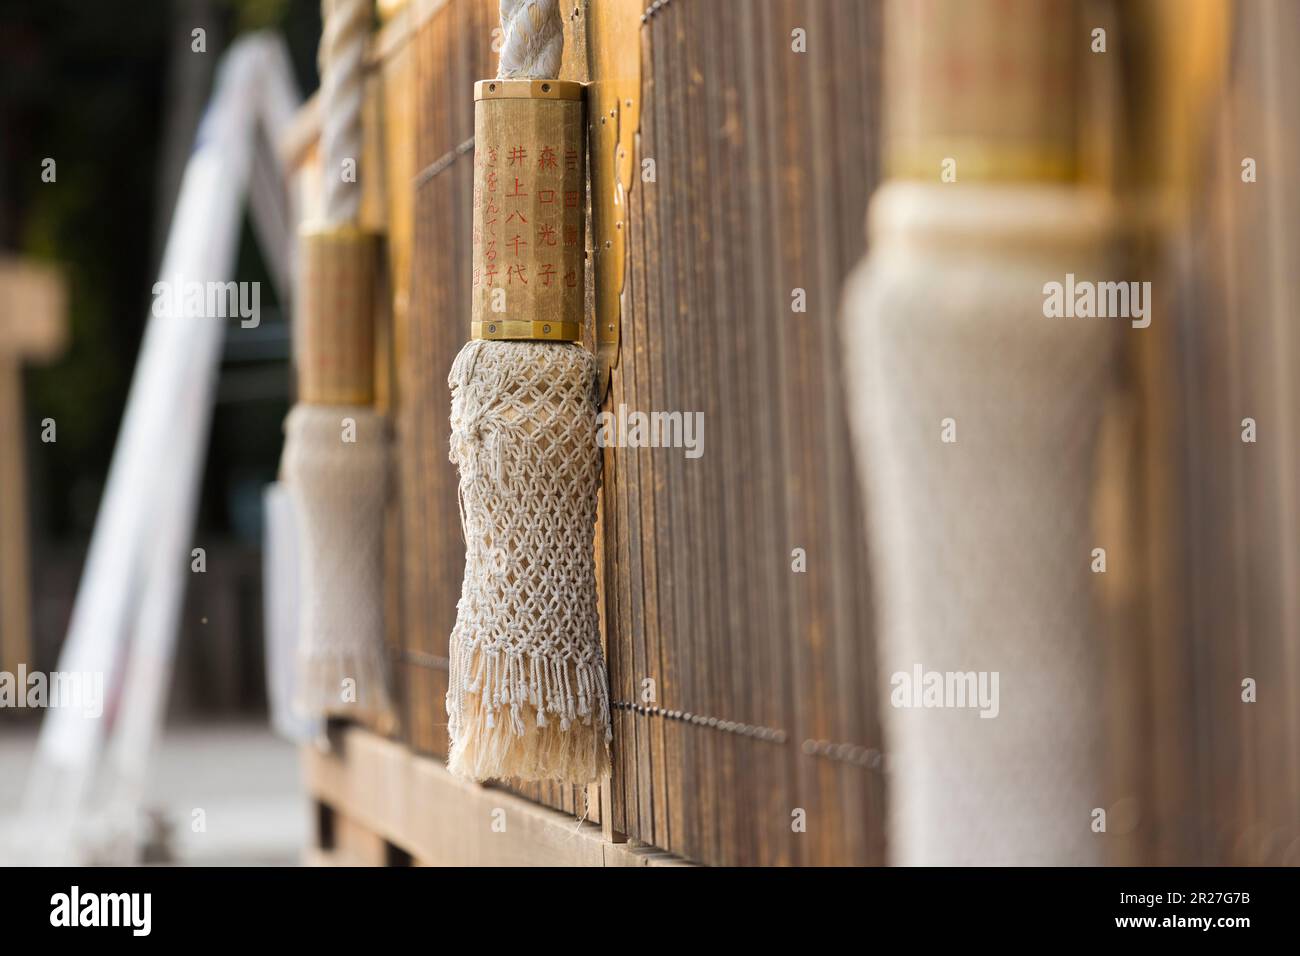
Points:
x=451, y=51
x=764, y=689
x=764, y=160
x=1237, y=351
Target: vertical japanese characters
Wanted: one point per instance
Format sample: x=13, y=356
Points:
x=528, y=212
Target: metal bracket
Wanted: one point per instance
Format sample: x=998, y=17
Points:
x=614, y=117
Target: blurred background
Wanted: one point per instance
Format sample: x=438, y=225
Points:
x=114, y=93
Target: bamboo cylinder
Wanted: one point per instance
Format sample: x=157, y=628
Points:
x=987, y=84
x=529, y=184
x=336, y=334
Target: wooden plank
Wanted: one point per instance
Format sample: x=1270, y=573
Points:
x=410, y=801
x=768, y=544
x=643, y=341
x=646, y=311
x=707, y=483
x=673, y=539
x=699, y=590
x=32, y=327
x=1278, y=648
x=1234, y=798
x=740, y=443
x=396, y=66
x=355, y=845
x=1206, y=592
x=452, y=50
x=671, y=801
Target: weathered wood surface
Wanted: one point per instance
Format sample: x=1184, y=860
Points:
x=385, y=805
x=1231, y=793
x=450, y=51
x=764, y=161
x=764, y=158
x=1202, y=529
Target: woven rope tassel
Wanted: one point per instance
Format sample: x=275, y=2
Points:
x=335, y=465
x=528, y=693
x=981, y=543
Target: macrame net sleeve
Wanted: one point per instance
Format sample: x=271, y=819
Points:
x=338, y=488
x=528, y=691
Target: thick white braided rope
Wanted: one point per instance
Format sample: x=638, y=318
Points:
x=340, y=60
x=532, y=39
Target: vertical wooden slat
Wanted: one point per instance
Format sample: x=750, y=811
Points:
x=710, y=599
x=1229, y=793
x=1280, y=27
x=764, y=160
x=449, y=49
